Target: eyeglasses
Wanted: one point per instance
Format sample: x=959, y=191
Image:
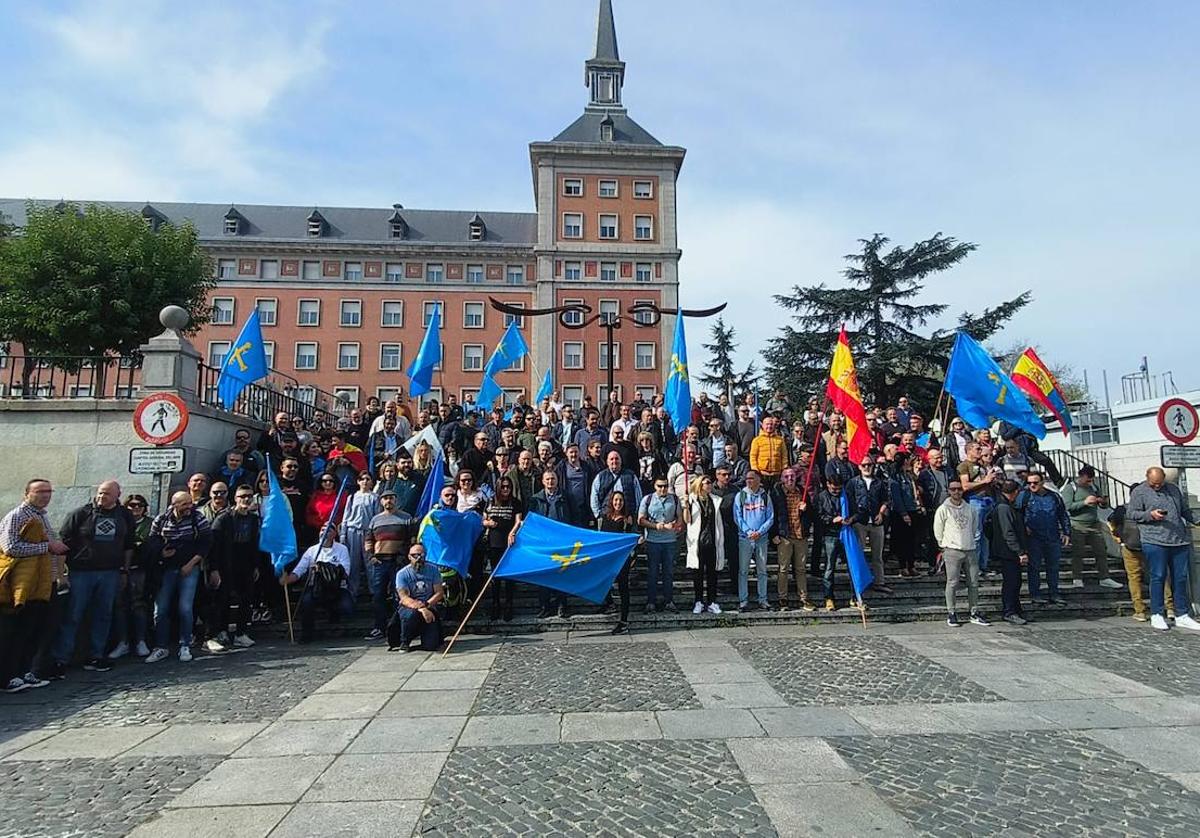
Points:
x=245, y=497
x=660, y=485
x=956, y=488
x=326, y=482
x=219, y=494
x=465, y=480
x=1033, y=483
x=135, y=505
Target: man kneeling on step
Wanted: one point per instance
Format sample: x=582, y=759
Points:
x=326, y=569
x=419, y=593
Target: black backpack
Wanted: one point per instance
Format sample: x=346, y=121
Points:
x=327, y=580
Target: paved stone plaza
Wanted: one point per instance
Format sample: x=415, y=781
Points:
x=1069, y=728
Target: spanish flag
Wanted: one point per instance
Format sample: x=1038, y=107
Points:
x=1035, y=378
x=842, y=390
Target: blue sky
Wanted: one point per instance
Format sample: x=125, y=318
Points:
x=1059, y=136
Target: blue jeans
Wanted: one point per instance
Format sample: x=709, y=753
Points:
x=381, y=579
x=758, y=549
x=983, y=506
x=92, y=592
x=182, y=590
x=1176, y=559
x=1048, y=552
x=413, y=627
x=660, y=566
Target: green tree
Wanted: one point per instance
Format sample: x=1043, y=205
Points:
x=884, y=323
x=719, y=371
x=1069, y=382
x=88, y=282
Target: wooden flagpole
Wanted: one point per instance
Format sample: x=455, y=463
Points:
x=475, y=604
x=287, y=604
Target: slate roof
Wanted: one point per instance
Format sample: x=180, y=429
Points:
x=586, y=129
x=342, y=224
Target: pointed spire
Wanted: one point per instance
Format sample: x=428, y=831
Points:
x=604, y=73
x=606, y=34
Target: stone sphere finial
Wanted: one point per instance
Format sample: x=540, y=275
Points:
x=174, y=318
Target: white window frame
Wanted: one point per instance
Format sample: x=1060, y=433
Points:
x=262, y=265
x=649, y=219
x=386, y=394
x=574, y=318
x=616, y=270
x=231, y=264
x=566, y=234
x=637, y=271
x=646, y=392
x=569, y=191
x=468, y=316
x=272, y=311
x=473, y=271
x=602, y=392
x=637, y=350
x=566, y=365
x=512, y=272
x=300, y=313
x=435, y=272
x=427, y=313
x=511, y=394
x=216, y=361
x=519, y=319
x=383, y=324
x=315, y=264
x=616, y=188
x=393, y=276
x=269, y=353
x=342, y=314
x=430, y=395
x=79, y=391
x=399, y=356
x=649, y=191
x=600, y=309
x=346, y=271
x=642, y=316
x=472, y=347
x=357, y=356
x=616, y=226
x=601, y=359
x=316, y=354
x=578, y=269
x=232, y=311
x=349, y=390
x=569, y=395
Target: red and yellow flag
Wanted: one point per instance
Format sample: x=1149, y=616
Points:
x=842, y=390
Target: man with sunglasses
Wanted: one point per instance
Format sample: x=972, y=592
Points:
x=230, y=570
x=1049, y=530
x=420, y=592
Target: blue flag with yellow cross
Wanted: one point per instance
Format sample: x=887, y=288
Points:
x=570, y=559
x=245, y=363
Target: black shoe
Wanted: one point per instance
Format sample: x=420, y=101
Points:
x=506, y=615
x=374, y=634
x=650, y=608
x=98, y=665
x=56, y=672
x=952, y=620
x=562, y=612
x=670, y=606
x=407, y=647
x=978, y=620
x=743, y=607
x=620, y=628
x=544, y=613
x=1058, y=600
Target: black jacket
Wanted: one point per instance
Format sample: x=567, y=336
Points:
x=865, y=502
x=829, y=506
x=1006, y=531
x=561, y=509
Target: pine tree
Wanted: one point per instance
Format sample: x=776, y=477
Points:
x=719, y=371
x=882, y=319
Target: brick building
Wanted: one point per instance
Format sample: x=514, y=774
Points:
x=344, y=293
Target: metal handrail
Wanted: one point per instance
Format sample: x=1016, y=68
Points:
x=70, y=376
x=1069, y=464
x=264, y=401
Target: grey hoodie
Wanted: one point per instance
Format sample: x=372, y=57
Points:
x=1172, y=531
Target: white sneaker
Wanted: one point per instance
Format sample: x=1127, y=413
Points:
x=243, y=641
x=185, y=654
x=16, y=685
x=119, y=651
x=1078, y=583
x=142, y=649
x=215, y=646
x=1111, y=583
x=158, y=654
x=713, y=608
x=1187, y=622
x=698, y=608
x=1159, y=622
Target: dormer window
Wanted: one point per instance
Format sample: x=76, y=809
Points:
x=316, y=225
x=233, y=222
x=477, y=229
x=154, y=219
x=606, y=130
x=397, y=224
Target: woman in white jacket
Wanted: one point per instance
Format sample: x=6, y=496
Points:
x=705, y=543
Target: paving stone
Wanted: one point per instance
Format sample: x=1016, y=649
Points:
x=471, y=679
x=1161, y=710
x=399, y=662
x=719, y=652
x=595, y=788
x=998, y=715
x=408, y=703
x=752, y=695
x=15, y=740
x=609, y=727
x=403, y=735
x=1136, y=653
x=863, y=670
x=367, y=777
x=1188, y=780
x=97, y=798
x=563, y=678
x=350, y=820
x=365, y=682
x=719, y=672
x=970, y=645
x=524, y=729
x=225, y=822
x=1160, y=749
x=458, y=661
x=830, y=810
x=1019, y=783
x=199, y=739
x=808, y=721
x=317, y=736
x=787, y=761
x=237, y=782
x=708, y=724
x=895, y=719
x=1086, y=713
x=87, y=743
x=337, y=706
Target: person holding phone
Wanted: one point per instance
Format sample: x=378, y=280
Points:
x=1164, y=522
x=1084, y=500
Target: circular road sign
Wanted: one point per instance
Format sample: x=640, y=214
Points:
x=160, y=419
x=1178, y=421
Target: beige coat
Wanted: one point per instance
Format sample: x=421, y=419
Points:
x=693, y=532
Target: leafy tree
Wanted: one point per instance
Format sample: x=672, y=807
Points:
x=1069, y=382
x=84, y=283
x=719, y=371
x=884, y=323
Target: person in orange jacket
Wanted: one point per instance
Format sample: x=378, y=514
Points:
x=768, y=452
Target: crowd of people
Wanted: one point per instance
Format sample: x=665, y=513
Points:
x=742, y=478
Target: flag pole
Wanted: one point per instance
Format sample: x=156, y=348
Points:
x=812, y=460
x=287, y=604
x=478, y=599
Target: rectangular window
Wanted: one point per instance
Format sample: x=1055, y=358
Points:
x=126, y=391
x=222, y=311
x=269, y=353
x=573, y=318
x=608, y=271
x=217, y=350
x=474, y=274
x=433, y=394
x=354, y=271
x=347, y=356
x=394, y=273
x=572, y=394
x=473, y=315
x=643, y=189
x=434, y=272
x=351, y=313
x=387, y=394
x=643, y=228
x=427, y=309
x=608, y=189
x=80, y=391
x=231, y=226
x=643, y=356
x=389, y=356
x=306, y=356
x=609, y=309
x=268, y=310
x=472, y=357
x=643, y=272
x=608, y=226
x=641, y=315
x=645, y=392
x=311, y=270
x=572, y=355
x=572, y=225
x=573, y=187
x=348, y=396
x=393, y=313
x=227, y=269
x=510, y=396
x=268, y=269
x=604, y=356
x=308, y=313
x=572, y=270
x=515, y=275
x=512, y=318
